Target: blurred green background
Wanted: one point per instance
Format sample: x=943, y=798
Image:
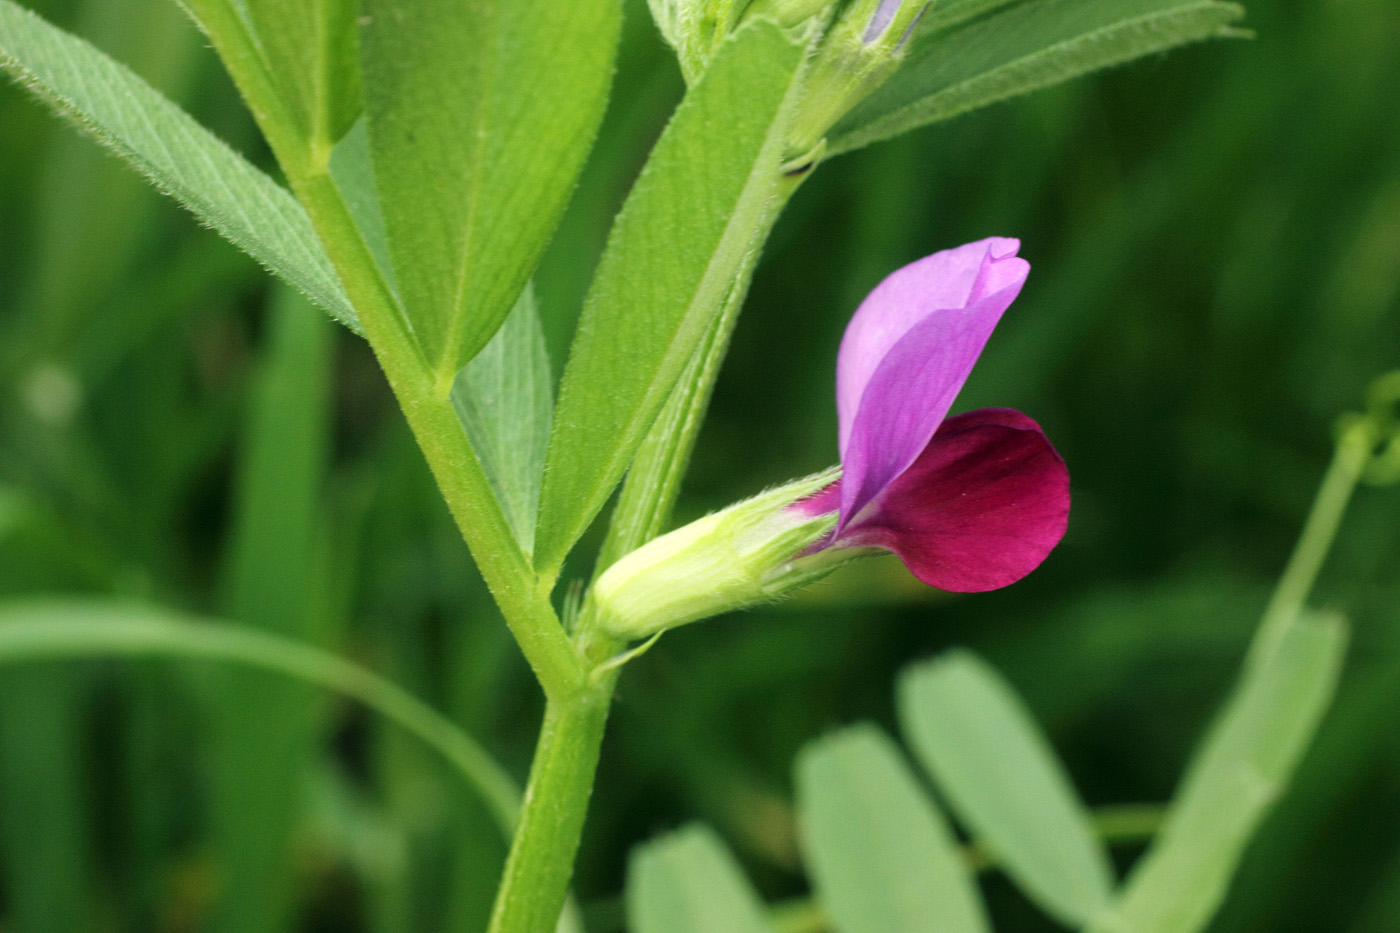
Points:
x=1215, y=243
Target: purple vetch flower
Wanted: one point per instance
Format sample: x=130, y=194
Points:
x=969, y=503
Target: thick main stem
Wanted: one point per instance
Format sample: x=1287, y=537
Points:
x=541, y=860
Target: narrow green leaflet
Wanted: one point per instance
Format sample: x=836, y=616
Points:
x=480, y=116
x=1004, y=782
x=504, y=400
x=1028, y=46
x=670, y=261
x=688, y=882
x=879, y=853
x=1238, y=773
x=311, y=53
x=177, y=154
x=298, y=58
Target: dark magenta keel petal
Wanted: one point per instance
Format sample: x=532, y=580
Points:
x=980, y=508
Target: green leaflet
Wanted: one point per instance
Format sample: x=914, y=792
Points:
x=310, y=50
x=298, y=57
x=1005, y=783
x=504, y=398
x=1233, y=781
x=671, y=259
x=1033, y=44
x=688, y=882
x=177, y=154
x=880, y=853
x=480, y=116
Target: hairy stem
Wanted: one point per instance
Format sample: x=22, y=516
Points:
x=513, y=582
x=541, y=860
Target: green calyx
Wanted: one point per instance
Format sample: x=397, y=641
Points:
x=745, y=554
x=858, y=46
x=860, y=51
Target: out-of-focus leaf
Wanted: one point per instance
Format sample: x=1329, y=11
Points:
x=689, y=883
x=46, y=838
x=1032, y=45
x=480, y=116
x=504, y=400
x=1233, y=781
x=94, y=219
x=178, y=155
x=1004, y=782
x=275, y=580
x=879, y=852
x=671, y=259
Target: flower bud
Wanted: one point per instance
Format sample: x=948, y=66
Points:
x=861, y=50
x=751, y=552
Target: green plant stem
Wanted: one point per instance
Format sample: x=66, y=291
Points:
x=536, y=878
x=541, y=860
x=523, y=600
x=41, y=631
x=1354, y=450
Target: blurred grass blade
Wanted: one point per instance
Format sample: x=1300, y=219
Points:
x=178, y=155
x=46, y=837
x=1004, y=782
x=1238, y=773
x=688, y=882
x=504, y=398
x=51, y=629
x=480, y=116
x=671, y=259
x=275, y=580
x=880, y=854
x=1031, y=45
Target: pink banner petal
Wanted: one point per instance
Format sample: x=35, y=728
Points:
x=910, y=393
x=949, y=280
